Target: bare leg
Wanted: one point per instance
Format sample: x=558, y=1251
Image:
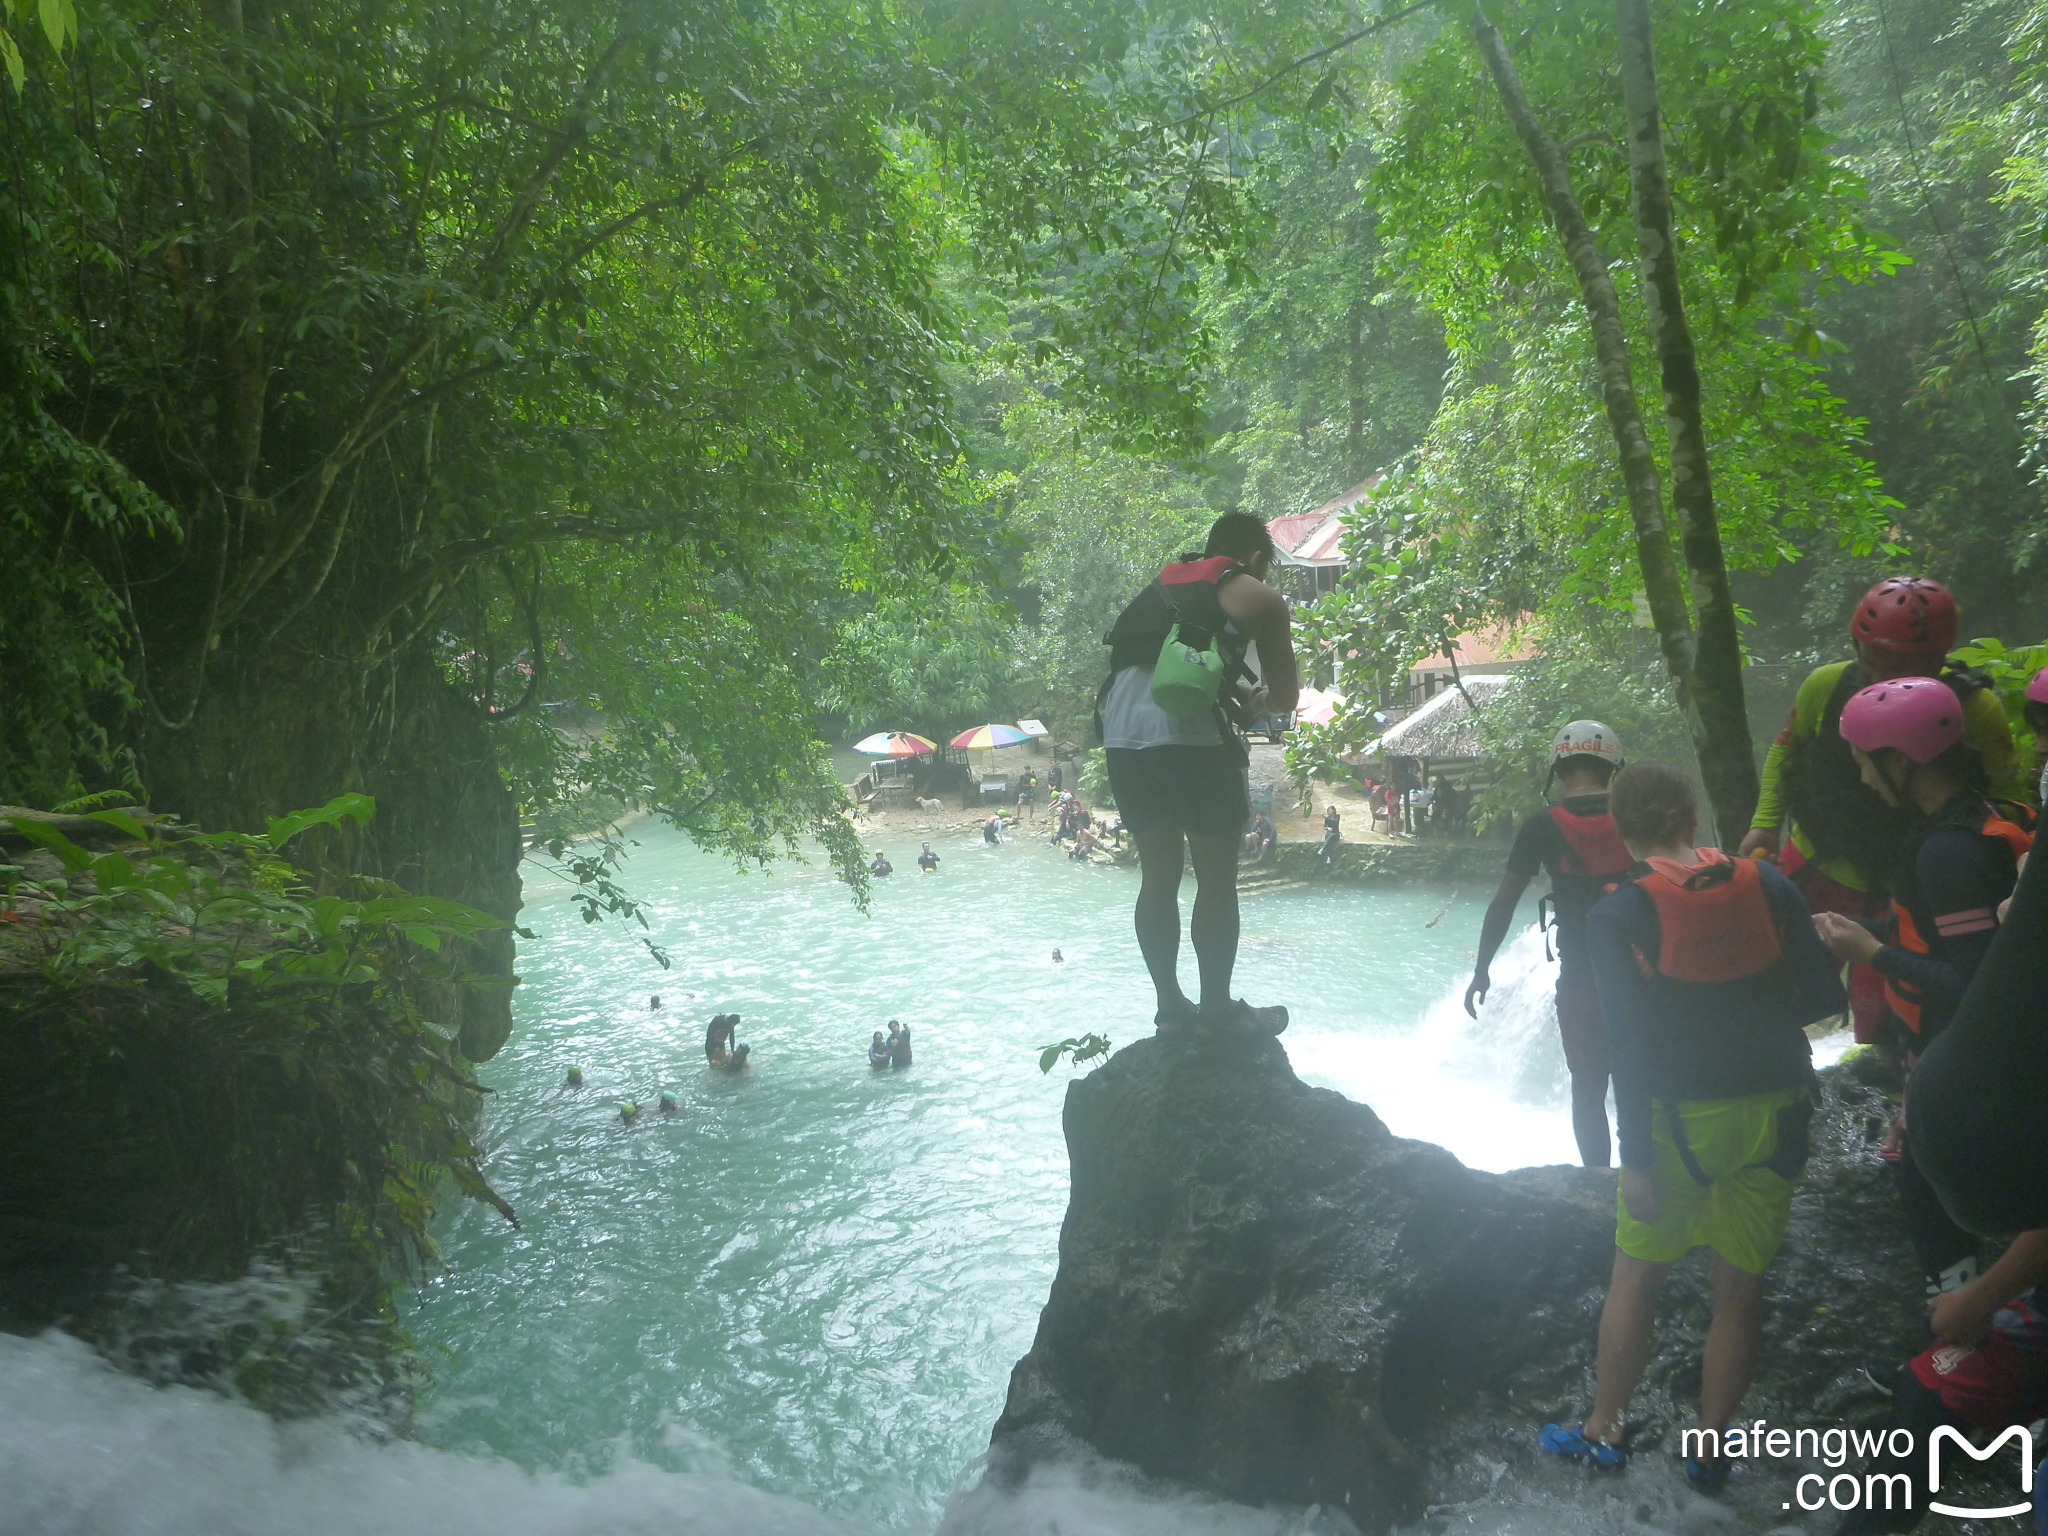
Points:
x=1625, y=1324
x=1160, y=861
x=1214, y=926
x=1735, y=1339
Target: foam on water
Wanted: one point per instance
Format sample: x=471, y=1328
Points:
x=87, y=1451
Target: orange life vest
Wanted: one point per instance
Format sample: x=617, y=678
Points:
x=1907, y=1000
x=1593, y=849
x=1714, y=920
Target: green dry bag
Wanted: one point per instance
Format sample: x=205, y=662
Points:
x=1189, y=673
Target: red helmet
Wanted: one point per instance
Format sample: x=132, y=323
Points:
x=1920, y=716
x=1908, y=616
x=2037, y=688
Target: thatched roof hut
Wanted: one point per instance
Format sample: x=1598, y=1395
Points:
x=1446, y=729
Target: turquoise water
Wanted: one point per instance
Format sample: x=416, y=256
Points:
x=815, y=1278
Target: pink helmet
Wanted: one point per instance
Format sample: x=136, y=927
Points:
x=1921, y=716
x=2037, y=688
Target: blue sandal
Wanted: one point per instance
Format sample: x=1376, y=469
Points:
x=1709, y=1477
x=1573, y=1445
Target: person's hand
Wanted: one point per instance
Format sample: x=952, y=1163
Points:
x=1760, y=843
x=1849, y=942
x=1639, y=1193
x=1476, y=993
x=1963, y=1317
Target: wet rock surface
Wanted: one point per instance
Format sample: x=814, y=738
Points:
x=1266, y=1295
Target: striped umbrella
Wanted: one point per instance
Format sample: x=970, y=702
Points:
x=983, y=737
x=895, y=744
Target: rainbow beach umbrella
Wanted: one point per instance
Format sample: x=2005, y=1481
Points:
x=894, y=744
x=983, y=737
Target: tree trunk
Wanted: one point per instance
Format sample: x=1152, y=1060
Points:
x=1645, y=486
x=1355, y=468
x=1727, y=761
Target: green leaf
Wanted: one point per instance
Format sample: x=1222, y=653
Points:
x=113, y=871
x=60, y=22
x=359, y=808
x=11, y=57
x=121, y=821
x=50, y=840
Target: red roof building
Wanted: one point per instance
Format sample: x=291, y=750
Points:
x=1310, y=545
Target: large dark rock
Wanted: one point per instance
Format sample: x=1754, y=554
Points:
x=1265, y=1294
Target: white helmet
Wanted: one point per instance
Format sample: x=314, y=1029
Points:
x=1587, y=738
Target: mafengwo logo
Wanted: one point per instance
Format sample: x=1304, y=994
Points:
x=2024, y=1439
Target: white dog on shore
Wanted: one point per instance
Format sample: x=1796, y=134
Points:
x=931, y=805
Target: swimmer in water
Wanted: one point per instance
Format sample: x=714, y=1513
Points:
x=574, y=1079
x=718, y=1037
x=668, y=1102
x=1058, y=958
x=899, y=1044
x=654, y=1002
x=881, y=866
x=629, y=1112
x=878, y=1051
x=738, y=1062
x=928, y=862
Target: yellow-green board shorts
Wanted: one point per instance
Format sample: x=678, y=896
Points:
x=1743, y=1213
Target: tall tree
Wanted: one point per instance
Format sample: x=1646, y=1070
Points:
x=1522, y=505
x=1713, y=688
x=1710, y=696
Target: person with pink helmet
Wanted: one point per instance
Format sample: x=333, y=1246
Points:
x=1835, y=837
x=1959, y=863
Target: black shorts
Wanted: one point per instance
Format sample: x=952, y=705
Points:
x=1196, y=790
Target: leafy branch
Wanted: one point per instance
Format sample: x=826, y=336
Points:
x=1081, y=1048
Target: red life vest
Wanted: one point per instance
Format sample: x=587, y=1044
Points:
x=1714, y=919
x=1907, y=1000
x=1185, y=593
x=1592, y=847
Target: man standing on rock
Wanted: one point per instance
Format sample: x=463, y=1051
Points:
x=1178, y=694
x=1575, y=841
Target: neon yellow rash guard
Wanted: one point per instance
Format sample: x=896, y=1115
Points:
x=1984, y=727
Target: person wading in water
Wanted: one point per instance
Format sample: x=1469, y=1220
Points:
x=1576, y=843
x=1170, y=713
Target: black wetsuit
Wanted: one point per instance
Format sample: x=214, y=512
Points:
x=1977, y=1101
x=1541, y=845
x=1979, y=1096
x=899, y=1049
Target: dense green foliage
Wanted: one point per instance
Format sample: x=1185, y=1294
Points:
x=596, y=353
x=1511, y=511
x=1936, y=113
x=221, y=1049
x=621, y=366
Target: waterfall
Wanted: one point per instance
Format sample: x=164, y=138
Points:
x=1493, y=1089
